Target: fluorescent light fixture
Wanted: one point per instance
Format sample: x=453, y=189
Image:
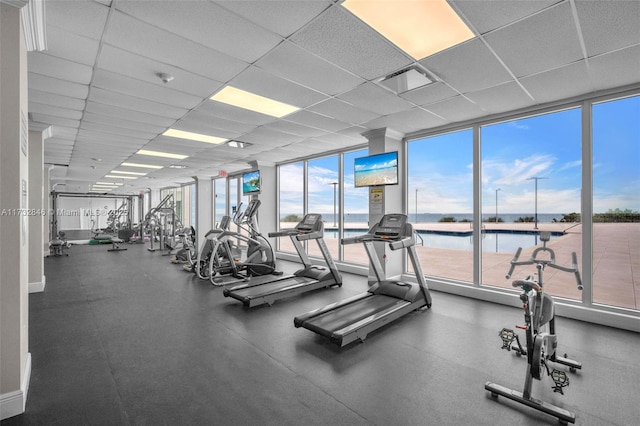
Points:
x=120, y=177
x=161, y=154
x=420, y=28
x=144, y=166
x=128, y=173
x=177, y=166
x=108, y=183
x=199, y=137
x=247, y=100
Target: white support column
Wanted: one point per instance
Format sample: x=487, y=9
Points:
x=380, y=141
x=15, y=360
x=37, y=209
x=204, y=207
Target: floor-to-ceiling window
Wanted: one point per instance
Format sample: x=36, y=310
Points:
x=531, y=182
x=322, y=197
x=290, y=199
x=356, y=209
x=616, y=202
x=440, y=203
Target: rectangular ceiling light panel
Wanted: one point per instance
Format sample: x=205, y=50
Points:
x=247, y=100
x=120, y=177
x=419, y=27
x=143, y=166
x=161, y=154
x=199, y=137
x=128, y=173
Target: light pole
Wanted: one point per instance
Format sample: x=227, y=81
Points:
x=535, y=218
x=497, y=204
x=335, y=185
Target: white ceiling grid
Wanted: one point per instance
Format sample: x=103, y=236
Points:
x=97, y=84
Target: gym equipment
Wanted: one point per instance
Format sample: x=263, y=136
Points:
x=58, y=245
x=186, y=248
x=115, y=244
x=201, y=264
x=541, y=339
x=387, y=300
x=260, y=290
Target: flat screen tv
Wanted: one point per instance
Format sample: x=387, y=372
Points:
x=251, y=182
x=375, y=170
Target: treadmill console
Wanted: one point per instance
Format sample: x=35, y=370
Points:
x=391, y=226
x=311, y=222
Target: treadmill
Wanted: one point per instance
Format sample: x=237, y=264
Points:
x=267, y=289
x=354, y=318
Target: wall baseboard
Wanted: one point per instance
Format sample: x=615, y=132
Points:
x=14, y=403
x=38, y=287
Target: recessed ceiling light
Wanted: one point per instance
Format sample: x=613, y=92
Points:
x=247, y=100
x=177, y=166
x=120, y=177
x=108, y=183
x=161, y=154
x=199, y=137
x=144, y=166
x=420, y=28
x=128, y=173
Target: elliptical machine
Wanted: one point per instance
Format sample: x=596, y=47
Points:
x=541, y=339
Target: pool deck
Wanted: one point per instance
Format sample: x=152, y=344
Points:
x=616, y=258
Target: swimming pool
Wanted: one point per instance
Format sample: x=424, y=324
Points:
x=492, y=241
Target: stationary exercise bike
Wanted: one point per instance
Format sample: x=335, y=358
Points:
x=541, y=340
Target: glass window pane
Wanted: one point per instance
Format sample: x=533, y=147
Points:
x=531, y=182
x=323, y=198
x=356, y=210
x=616, y=203
x=291, y=200
x=219, y=199
x=440, y=203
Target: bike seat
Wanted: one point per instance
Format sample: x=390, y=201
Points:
x=527, y=284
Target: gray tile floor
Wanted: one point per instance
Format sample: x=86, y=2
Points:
x=128, y=338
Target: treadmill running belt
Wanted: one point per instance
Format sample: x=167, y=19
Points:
x=337, y=319
x=271, y=287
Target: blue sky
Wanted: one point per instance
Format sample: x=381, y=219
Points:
x=546, y=146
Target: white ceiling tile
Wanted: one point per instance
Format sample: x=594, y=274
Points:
x=90, y=117
x=487, y=15
x=558, y=84
x=541, y=42
x=59, y=68
x=311, y=119
x=60, y=87
x=116, y=130
x=503, y=98
x=430, y=93
x=116, y=112
x=207, y=24
x=609, y=25
x=55, y=100
x=343, y=111
x=72, y=47
x=138, y=67
x=200, y=118
x=283, y=17
x=263, y=83
x=120, y=100
x=468, y=66
x=269, y=137
x=197, y=127
x=341, y=38
x=141, y=89
x=294, y=63
x=295, y=128
x=616, y=69
x=128, y=33
x=407, y=121
x=456, y=109
x=374, y=98
x=86, y=18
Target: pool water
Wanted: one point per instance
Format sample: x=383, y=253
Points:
x=497, y=242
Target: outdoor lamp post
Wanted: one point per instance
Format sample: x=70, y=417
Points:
x=535, y=217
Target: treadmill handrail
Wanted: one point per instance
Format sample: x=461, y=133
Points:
x=357, y=239
x=403, y=243
x=309, y=236
x=283, y=233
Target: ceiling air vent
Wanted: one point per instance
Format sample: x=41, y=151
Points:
x=406, y=80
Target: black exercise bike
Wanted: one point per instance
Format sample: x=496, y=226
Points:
x=541, y=340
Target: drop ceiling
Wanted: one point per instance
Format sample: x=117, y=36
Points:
x=96, y=84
